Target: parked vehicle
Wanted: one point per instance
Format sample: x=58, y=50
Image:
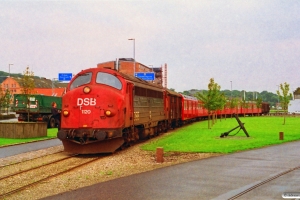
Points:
x=36, y=108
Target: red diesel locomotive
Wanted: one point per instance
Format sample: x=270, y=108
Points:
x=104, y=109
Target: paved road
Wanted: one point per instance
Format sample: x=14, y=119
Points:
x=213, y=178
x=23, y=148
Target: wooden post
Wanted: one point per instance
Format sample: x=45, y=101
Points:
x=280, y=135
x=159, y=154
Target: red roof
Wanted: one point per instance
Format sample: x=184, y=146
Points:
x=58, y=92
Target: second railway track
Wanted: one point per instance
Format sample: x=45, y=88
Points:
x=19, y=178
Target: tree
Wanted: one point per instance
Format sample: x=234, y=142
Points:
x=211, y=100
x=258, y=102
x=27, y=87
x=233, y=104
x=1, y=97
x=221, y=103
x=187, y=93
x=284, y=97
x=4, y=98
x=244, y=105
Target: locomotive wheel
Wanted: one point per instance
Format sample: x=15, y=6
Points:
x=126, y=135
x=52, y=123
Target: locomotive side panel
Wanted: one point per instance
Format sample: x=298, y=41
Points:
x=128, y=106
x=148, y=109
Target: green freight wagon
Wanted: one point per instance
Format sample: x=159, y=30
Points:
x=35, y=107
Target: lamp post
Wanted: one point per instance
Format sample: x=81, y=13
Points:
x=151, y=67
x=133, y=55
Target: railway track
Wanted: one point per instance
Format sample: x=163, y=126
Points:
x=240, y=194
x=32, y=159
x=21, y=179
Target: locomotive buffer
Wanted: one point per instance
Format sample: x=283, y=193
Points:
x=241, y=126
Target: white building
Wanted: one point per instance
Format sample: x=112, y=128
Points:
x=294, y=106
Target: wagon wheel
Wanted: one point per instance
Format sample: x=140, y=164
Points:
x=159, y=129
x=155, y=130
x=52, y=123
x=45, y=118
x=165, y=127
x=136, y=134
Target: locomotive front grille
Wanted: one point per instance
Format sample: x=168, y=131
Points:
x=84, y=136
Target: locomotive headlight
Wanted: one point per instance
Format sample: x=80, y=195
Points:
x=108, y=113
x=66, y=113
x=86, y=90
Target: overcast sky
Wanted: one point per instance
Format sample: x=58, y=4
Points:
x=254, y=43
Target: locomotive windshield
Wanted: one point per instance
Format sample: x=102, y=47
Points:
x=81, y=80
x=108, y=79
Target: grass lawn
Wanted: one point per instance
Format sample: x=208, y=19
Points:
x=263, y=131
x=51, y=133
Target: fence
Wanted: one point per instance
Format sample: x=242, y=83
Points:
x=21, y=130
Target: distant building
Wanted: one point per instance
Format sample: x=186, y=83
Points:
x=126, y=66
x=294, y=106
x=43, y=86
x=9, y=83
x=296, y=93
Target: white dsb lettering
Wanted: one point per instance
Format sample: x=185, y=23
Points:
x=86, y=102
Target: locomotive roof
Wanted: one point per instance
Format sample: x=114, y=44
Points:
x=138, y=81
x=134, y=79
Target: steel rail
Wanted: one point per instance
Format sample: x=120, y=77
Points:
x=263, y=182
x=37, y=167
x=15, y=163
x=44, y=179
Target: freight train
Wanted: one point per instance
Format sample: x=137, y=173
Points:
x=104, y=109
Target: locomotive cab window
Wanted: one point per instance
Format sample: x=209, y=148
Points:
x=109, y=79
x=81, y=80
